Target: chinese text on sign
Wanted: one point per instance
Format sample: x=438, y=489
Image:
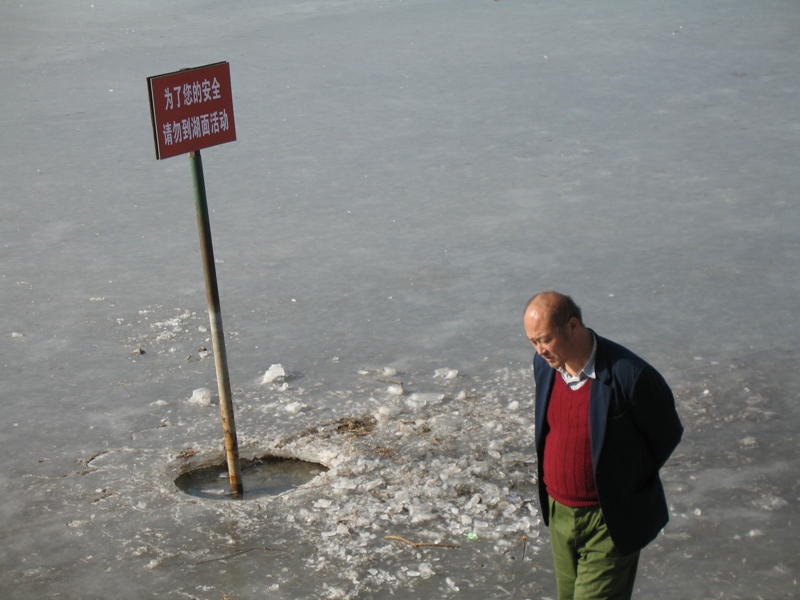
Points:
x=191, y=109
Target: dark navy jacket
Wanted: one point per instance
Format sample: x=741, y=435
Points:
x=634, y=428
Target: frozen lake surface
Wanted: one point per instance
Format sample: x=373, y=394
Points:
x=406, y=175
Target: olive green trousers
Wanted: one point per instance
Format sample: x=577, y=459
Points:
x=588, y=566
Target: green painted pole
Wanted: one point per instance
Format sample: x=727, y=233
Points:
x=217, y=333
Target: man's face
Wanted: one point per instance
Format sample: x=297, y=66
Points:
x=552, y=344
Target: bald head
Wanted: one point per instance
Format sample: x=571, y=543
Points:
x=554, y=326
x=556, y=308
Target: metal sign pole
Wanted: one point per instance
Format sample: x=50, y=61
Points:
x=217, y=334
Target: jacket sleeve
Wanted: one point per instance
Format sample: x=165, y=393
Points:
x=654, y=414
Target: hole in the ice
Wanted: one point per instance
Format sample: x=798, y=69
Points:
x=265, y=476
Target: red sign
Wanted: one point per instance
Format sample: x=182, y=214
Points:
x=191, y=109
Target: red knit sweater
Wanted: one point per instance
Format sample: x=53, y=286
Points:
x=568, y=472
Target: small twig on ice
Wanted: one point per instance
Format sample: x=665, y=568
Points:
x=245, y=551
x=420, y=544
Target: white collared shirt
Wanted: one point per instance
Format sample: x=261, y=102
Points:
x=575, y=382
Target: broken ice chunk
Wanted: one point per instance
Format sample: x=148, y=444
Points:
x=371, y=485
x=420, y=400
x=396, y=389
x=388, y=412
x=274, y=372
x=328, y=533
x=446, y=373
x=420, y=512
x=201, y=397
x=771, y=502
x=294, y=407
x=425, y=570
x=474, y=501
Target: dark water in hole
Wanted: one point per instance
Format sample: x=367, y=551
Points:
x=266, y=476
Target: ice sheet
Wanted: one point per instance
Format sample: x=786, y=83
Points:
x=406, y=175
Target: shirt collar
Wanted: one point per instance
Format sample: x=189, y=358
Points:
x=587, y=372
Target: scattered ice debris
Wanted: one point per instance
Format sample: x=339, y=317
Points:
x=97, y=299
x=159, y=403
x=201, y=397
x=436, y=475
x=171, y=327
x=389, y=372
x=514, y=405
x=16, y=334
x=273, y=373
x=446, y=373
x=76, y=523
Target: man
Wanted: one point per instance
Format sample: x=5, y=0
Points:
x=605, y=424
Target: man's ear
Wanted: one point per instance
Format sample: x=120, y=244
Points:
x=572, y=325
